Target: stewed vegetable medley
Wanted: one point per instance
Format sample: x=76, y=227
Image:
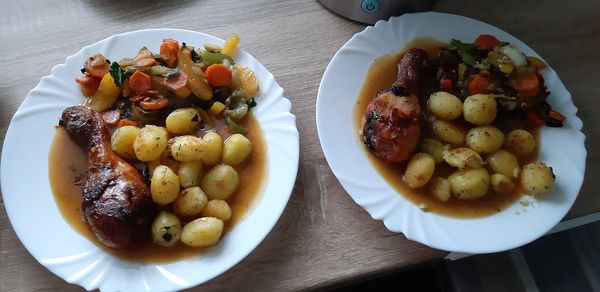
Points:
x=179, y=115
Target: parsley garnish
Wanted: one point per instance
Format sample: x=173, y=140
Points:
x=463, y=50
x=117, y=73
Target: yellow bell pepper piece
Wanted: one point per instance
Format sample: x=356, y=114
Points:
x=216, y=108
x=230, y=44
x=506, y=68
x=106, y=95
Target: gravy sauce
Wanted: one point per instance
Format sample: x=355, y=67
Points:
x=67, y=166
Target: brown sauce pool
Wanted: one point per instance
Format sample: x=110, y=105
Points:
x=381, y=74
x=67, y=164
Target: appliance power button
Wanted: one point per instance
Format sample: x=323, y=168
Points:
x=369, y=6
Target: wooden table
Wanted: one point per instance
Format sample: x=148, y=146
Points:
x=323, y=239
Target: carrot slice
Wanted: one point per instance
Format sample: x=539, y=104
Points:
x=96, y=66
x=218, y=75
x=145, y=62
x=486, y=42
x=140, y=82
x=153, y=103
x=112, y=117
x=89, y=84
x=168, y=52
x=446, y=84
x=557, y=116
x=127, y=122
x=176, y=82
x=480, y=84
x=527, y=84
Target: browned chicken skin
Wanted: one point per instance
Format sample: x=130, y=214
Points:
x=117, y=204
x=391, y=125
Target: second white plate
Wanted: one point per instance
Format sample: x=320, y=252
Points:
x=337, y=94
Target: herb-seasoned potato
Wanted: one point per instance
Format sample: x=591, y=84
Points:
x=448, y=132
x=503, y=162
x=166, y=229
x=463, y=158
x=440, y=188
x=218, y=209
x=444, y=105
x=419, y=170
x=183, y=121
x=189, y=148
x=520, y=142
x=537, y=177
x=215, y=148
x=190, y=202
x=122, y=140
x=433, y=148
x=485, y=139
x=164, y=187
x=500, y=183
x=150, y=143
x=480, y=109
x=220, y=182
x=469, y=183
x=205, y=231
x=236, y=149
x=189, y=173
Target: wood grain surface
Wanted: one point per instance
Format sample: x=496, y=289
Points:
x=323, y=238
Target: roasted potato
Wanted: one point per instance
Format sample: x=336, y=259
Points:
x=214, y=149
x=164, y=186
x=205, y=231
x=480, y=109
x=444, y=105
x=463, y=158
x=220, y=182
x=469, y=183
x=520, y=142
x=503, y=162
x=122, y=140
x=150, y=143
x=166, y=229
x=183, y=121
x=537, y=177
x=448, y=132
x=236, y=149
x=190, y=202
x=419, y=170
x=218, y=209
x=485, y=139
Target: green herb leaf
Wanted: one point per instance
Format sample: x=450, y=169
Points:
x=463, y=50
x=235, y=127
x=117, y=73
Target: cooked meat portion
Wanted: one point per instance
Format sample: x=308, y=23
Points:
x=391, y=125
x=117, y=204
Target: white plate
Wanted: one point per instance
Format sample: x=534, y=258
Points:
x=43, y=231
x=562, y=148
